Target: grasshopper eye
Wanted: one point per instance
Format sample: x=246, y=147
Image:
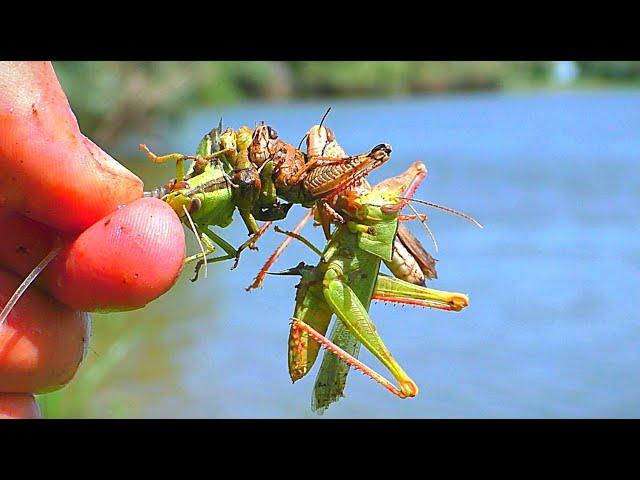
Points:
x=273, y=135
x=196, y=204
x=330, y=135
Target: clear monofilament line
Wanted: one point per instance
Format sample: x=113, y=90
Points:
x=26, y=282
x=347, y=358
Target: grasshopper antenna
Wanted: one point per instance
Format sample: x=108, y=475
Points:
x=193, y=227
x=303, y=138
x=325, y=116
x=448, y=210
x=27, y=281
x=424, y=224
x=321, y=122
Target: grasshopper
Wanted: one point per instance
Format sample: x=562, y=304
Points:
x=220, y=180
x=409, y=260
x=344, y=283
x=406, y=259
x=312, y=179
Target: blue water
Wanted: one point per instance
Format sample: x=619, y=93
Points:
x=552, y=329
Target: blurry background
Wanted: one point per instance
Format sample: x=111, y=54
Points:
x=544, y=154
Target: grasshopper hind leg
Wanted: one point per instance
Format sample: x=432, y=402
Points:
x=350, y=310
x=299, y=326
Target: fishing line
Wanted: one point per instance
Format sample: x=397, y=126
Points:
x=27, y=281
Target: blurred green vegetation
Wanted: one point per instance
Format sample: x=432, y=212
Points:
x=131, y=358
x=111, y=98
x=115, y=340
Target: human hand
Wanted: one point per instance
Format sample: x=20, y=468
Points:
x=120, y=250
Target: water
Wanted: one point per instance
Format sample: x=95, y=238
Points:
x=551, y=330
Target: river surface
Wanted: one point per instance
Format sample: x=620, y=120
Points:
x=552, y=330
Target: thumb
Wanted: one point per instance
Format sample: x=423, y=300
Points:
x=49, y=170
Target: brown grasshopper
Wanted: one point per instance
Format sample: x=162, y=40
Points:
x=329, y=171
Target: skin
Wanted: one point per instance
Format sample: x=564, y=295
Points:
x=18, y=405
x=120, y=251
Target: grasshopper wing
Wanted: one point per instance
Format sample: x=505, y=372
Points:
x=332, y=377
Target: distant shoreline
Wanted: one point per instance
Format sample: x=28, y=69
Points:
x=114, y=98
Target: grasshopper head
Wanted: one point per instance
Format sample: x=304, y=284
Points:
x=247, y=178
x=262, y=144
x=210, y=142
x=394, y=187
x=321, y=142
x=228, y=139
x=383, y=202
x=243, y=138
x=214, y=136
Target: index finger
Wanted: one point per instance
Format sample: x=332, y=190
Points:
x=49, y=170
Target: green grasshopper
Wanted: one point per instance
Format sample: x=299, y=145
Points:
x=344, y=283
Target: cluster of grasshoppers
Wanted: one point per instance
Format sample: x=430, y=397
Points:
x=255, y=172
x=262, y=176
